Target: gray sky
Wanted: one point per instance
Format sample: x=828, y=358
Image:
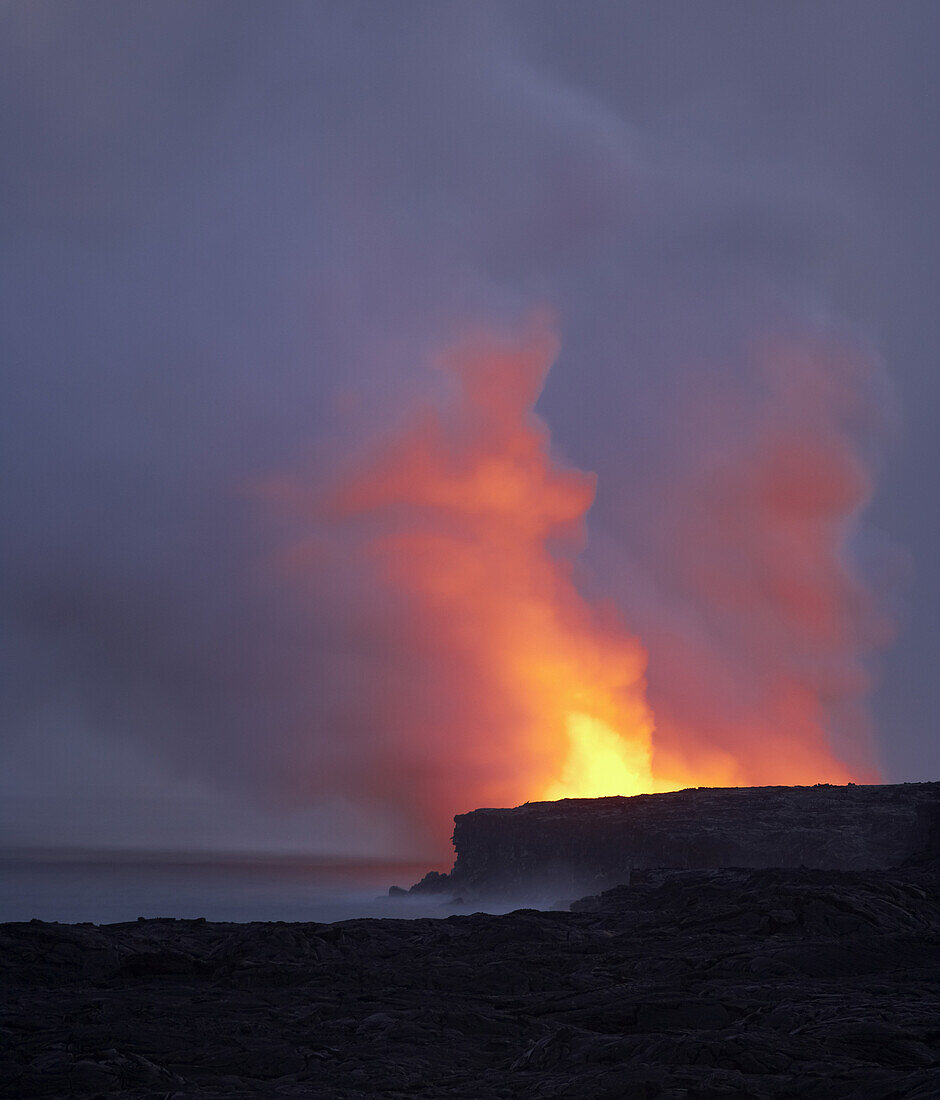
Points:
x=234, y=236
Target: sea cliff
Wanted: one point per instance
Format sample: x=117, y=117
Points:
x=584, y=845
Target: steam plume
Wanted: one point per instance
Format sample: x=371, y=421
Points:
x=236, y=235
x=493, y=680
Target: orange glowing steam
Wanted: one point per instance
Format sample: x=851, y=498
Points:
x=474, y=521
x=754, y=542
x=468, y=669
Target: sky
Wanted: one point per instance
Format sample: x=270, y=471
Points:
x=410, y=406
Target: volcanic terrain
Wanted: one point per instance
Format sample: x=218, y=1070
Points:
x=686, y=983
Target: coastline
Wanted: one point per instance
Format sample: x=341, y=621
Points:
x=765, y=983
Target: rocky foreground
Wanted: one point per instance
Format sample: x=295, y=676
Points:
x=703, y=983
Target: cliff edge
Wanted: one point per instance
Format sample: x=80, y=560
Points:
x=584, y=845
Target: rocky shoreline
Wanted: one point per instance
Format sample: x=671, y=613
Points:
x=764, y=983
x=691, y=979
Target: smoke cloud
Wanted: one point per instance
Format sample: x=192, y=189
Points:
x=273, y=574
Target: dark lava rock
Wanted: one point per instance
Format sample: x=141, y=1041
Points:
x=735, y=983
x=546, y=850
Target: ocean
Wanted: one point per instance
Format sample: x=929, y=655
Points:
x=106, y=888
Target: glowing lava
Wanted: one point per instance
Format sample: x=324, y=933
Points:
x=600, y=762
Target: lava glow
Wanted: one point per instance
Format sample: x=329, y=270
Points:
x=481, y=674
x=601, y=761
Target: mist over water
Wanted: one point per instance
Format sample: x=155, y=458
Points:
x=105, y=888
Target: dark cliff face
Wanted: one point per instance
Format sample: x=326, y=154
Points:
x=567, y=848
